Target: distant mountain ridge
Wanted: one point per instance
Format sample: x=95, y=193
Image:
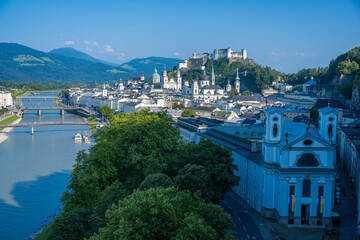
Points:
x=24, y=64
x=71, y=52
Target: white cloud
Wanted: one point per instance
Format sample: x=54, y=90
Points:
x=88, y=49
x=90, y=43
x=109, y=49
x=176, y=54
x=69, y=43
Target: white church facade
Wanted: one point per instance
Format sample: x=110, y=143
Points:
x=291, y=177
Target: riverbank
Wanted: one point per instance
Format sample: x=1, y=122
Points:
x=20, y=96
x=15, y=119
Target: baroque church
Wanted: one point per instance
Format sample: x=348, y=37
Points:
x=290, y=175
x=204, y=88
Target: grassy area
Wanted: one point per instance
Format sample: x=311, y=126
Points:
x=9, y=120
x=46, y=232
x=57, y=102
x=92, y=127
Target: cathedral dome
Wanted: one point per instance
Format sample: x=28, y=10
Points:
x=155, y=75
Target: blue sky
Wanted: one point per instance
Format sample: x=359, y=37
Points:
x=285, y=35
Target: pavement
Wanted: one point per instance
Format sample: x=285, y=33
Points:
x=247, y=226
x=347, y=208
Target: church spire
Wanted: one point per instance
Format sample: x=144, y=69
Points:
x=237, y=81
x=212, y=75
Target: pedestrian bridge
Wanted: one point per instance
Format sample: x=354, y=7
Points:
x=35, y=124
x=39, y=109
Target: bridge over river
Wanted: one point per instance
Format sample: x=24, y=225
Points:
x=35, y=124
x=85, y=111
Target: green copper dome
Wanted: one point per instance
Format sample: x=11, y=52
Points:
x=155, y=75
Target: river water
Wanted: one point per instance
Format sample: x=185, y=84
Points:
x=35, y=170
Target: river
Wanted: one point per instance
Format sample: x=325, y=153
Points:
x=35, y=170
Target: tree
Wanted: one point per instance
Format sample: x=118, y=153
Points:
x=188, y=113
x=156, y=180
x=106, y=111
x=74, y=225
x=177, y=105
x=314, y=114
x=219, y=165
x=195, y=178
x=245, y=93
x=111, y=195
x=165, y=213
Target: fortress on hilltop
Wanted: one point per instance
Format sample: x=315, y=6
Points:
x=199, y=60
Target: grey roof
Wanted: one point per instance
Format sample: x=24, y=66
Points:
x=212, y=87
x=244, y=98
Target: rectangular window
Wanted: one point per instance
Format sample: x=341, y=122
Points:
x=292, y=190
x=321, y=191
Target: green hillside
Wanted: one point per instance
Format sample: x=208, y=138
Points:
x=23, y=64
x=70, y=52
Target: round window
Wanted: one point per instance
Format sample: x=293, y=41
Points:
x=308, y=142
x=275, y=119
x=331, y=119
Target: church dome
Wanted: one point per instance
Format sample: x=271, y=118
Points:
x=155, y=75
x=204, y=76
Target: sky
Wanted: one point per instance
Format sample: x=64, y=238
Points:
x=285, y=35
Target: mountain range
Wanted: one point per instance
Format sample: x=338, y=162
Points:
x=24, y=64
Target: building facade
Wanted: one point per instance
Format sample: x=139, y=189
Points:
x=6, y=100
x=289, y=174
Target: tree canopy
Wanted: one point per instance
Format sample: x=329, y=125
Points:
x=165, y=213
x=136, y=160
x=188, y=113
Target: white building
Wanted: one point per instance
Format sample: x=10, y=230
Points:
x=171, y=83
x=6, y=100
x=291, y=176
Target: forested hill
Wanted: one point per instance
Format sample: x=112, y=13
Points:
x=70, y=52
x=24, y=64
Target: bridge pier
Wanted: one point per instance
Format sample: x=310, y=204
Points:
x=32, y=130
x=39, y=112
x=62, y=112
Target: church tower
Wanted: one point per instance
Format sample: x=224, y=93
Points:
x=328, y=124
x=195, y=87
x=165, y=78
x=178, y=80
x=237, y=82
x=212, y=76
x=273, y=132
x=104, y=91
x=142, y=78
x=228, y=86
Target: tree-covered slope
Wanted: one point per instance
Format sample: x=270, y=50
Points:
x=24, y=64
x=70, y=52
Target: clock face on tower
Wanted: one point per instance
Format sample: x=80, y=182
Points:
x=275, y=130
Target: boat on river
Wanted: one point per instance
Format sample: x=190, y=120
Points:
x=78, y=137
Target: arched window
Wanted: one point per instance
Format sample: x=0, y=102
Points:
x=307, y=160
x=330, y=131
x=306, y=188
x=275, y=130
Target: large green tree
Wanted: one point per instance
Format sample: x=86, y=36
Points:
x=166, y=213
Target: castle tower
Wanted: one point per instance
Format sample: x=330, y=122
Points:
x=328, y=124
x=244, y=54
x=228, y=86
x=212, y=76
x=178, y=80
x=237, y=82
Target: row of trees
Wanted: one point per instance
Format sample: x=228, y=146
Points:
x=139, y=181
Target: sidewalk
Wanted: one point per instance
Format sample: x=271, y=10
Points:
x=270, y=229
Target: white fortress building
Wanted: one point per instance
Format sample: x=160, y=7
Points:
x=199, y=60
x=222, y=53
